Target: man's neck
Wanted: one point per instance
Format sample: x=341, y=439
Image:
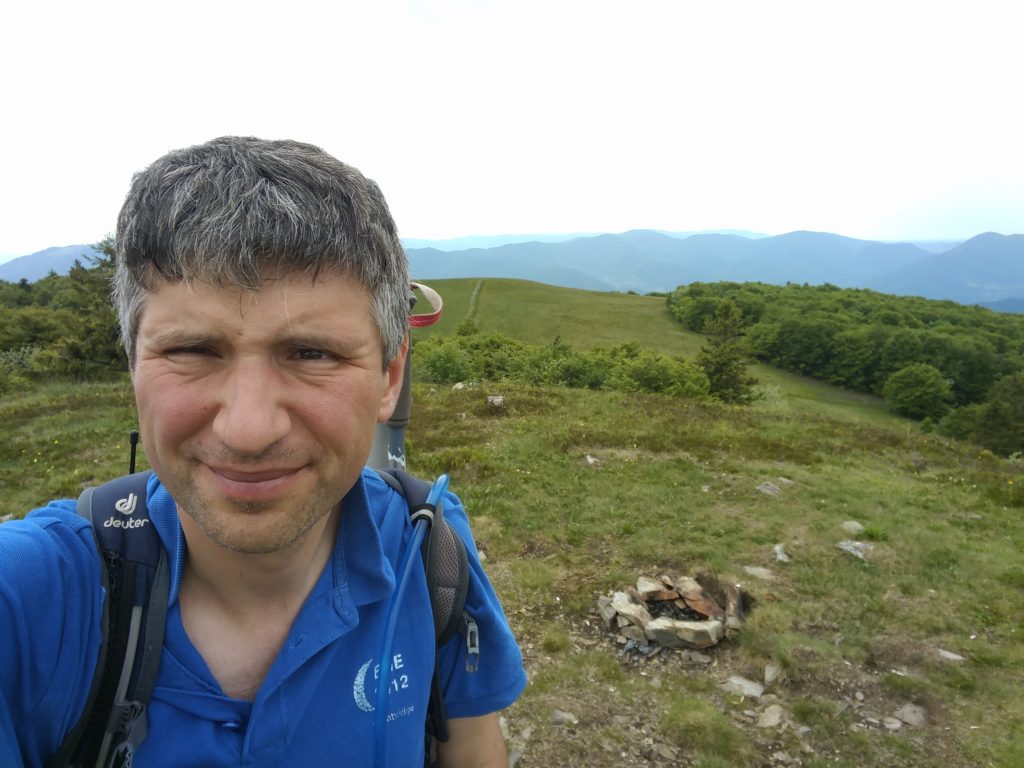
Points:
x=241, y=584
x=238, y=609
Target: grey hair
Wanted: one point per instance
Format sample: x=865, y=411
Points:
x=238, y=211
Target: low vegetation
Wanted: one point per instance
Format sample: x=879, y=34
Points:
x=575, y=492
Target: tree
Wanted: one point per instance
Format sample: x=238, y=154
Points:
x=724, y=360
x=1001, y=421
x=918, y=391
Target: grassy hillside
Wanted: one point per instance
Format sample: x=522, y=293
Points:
x=576, y=493
x=537, y=313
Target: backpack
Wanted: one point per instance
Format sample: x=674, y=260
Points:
x=136, y=577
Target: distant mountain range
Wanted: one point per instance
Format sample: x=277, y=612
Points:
x=42, y=263
x=987, y=269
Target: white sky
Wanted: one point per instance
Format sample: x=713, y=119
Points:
x=884, y=120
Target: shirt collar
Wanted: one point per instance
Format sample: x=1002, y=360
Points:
x=361, y=571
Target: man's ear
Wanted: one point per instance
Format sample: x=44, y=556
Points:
x=394, y=374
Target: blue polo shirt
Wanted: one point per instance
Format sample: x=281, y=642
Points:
x=316, y=704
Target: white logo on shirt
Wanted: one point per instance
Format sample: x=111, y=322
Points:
x=399, y=682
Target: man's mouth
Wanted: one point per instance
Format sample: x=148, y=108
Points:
x=251, y=484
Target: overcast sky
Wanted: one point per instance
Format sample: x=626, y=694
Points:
x=881, y=120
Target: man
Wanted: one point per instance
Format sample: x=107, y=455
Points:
x=262, y=295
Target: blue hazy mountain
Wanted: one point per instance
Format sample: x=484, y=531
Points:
x=41, y=263
x=988, y=268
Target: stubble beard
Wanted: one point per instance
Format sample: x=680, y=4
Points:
x=255, y=528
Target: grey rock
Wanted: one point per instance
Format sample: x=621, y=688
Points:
x=772, y=672
x=673, y=633
x=892, y=723
x=634, y=633
x=780, y=554
x=496, y=401
x=782, y=758
x=771, y=717
x=632, y=608
x=561, y=717
x=769, y=489
x=852, y=527
x=784, y=481
x=700, y=658
x=758, y=572
x=911, y=714
x=607, y=611
x=743, y=687
x=6, y=518
x=665, y=752
x=950, y=656
x=856, y=548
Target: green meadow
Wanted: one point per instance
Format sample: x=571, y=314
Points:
x=576, y=493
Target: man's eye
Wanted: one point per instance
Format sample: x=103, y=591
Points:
x=313, y=354
x=189, y=350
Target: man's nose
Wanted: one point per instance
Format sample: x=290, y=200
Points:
x=252, y=413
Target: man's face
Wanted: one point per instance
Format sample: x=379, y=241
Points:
x=257, y=409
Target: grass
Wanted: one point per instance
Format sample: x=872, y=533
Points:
x=671, y=486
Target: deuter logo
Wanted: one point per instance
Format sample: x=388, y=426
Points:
x=127, y=505
x=116, y=522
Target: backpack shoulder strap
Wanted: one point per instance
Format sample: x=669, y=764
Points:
x=136, y=578
x=447, y=571
x=444, y=557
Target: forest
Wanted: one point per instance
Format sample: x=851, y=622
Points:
x=957, y=368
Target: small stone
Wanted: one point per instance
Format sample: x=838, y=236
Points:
x=665, y=752
x=458, y=386
x=700, y=658
x=771, y=717
x=784, y=481
x=852, y=527
x=673, y=633
x=631, y=606
x=495, y=401
x=782, y=758
x=560, y=717
x=6, y=518
x=593, y=461
x=481, y=556
x=858, y=696
x=911, y=714
x=892, y=723
x=607, y=611
x=634, y=633
x=758, y=572
x=653, y=589
x=772, y=672
x=780, y=553
x=858, y=549
x=743, y=687
x=950, y=656
x=769, y=489
x=705, y=488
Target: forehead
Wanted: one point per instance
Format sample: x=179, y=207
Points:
x=328, y=301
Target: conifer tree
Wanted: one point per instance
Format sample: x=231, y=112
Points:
x=725, y=358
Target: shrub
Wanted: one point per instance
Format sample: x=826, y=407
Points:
x=1000, y=425
x=960, y=423
x=918, y=391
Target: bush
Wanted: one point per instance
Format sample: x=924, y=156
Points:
x=960, y=423
x=1000, y=425
x=442, y=361
x=918, y=391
